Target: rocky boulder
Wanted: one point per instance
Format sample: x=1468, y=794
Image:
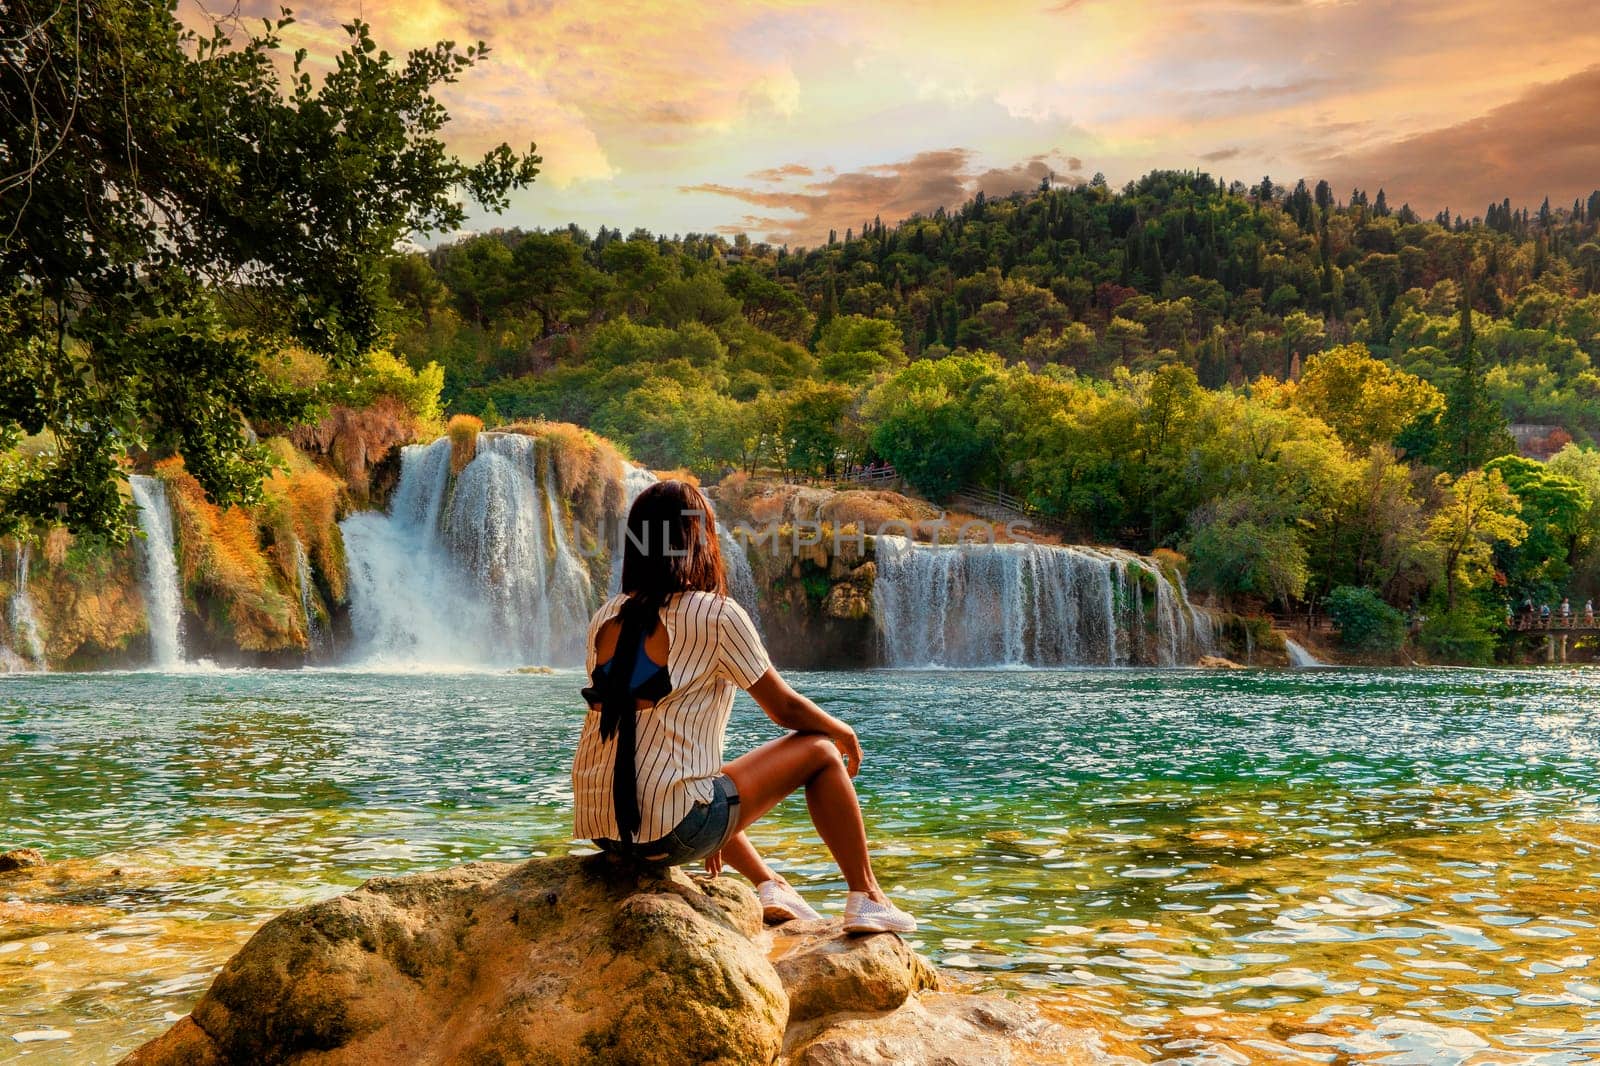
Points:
x=571, y=960
x=586, y=961
x=946, y=1029
x=872, y=1001
x=20, y=859
x=825, y=972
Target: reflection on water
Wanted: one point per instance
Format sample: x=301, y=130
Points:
x=1261, y=867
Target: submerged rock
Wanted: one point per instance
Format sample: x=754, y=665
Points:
x=945, y=1029
x=555, y=961
x=20, y=859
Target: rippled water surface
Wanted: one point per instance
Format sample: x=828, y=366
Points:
x=1294, y=866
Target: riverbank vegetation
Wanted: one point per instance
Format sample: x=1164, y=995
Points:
x=1303, y=393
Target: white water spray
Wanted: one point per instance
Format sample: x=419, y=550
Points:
x=1298, y=656
x=26, y=649
x=478, y=572
x=1030, y=605
x=163, y=601
x=302, y=572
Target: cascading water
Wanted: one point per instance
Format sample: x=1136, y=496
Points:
x=1030, y=605
x=302, y=571
x=741, y=579
x=479, y=574
x=410, y=605
x=26, y=649
x=1298, y=656
x=163, y=602
x=506, y=527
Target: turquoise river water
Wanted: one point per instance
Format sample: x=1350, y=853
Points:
x=1263, y=866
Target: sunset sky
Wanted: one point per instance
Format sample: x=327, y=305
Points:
x=784, y=119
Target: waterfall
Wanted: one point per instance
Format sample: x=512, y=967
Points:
x=302, y=572
x=506, y=527
x=735, y=563
x=1298, y=656
x=1031, y=604
x=475, y=574
x=163, y=602
x=27, y=649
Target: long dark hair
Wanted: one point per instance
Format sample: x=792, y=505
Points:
x=670, y=546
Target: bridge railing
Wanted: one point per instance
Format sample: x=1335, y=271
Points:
x=980, y=498
x=1554, y=624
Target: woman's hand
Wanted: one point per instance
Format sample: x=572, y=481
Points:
x=844, y=738
x=714, y=864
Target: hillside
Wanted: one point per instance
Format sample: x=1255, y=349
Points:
x=1302, y=394
x=1234, y=282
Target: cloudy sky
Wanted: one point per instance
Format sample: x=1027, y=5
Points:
x=784, y=118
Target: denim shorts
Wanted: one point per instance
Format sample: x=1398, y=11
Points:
x=702, y=832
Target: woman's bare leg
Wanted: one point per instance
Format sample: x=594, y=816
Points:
x=742, y=855
x=810, y=761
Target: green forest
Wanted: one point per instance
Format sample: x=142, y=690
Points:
x=1311, y=397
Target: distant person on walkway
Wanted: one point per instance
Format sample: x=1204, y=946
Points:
x=649, y=784
x=1588, y=612
x=1544, y=615
x=1566, y=611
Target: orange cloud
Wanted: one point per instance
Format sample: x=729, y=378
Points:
x=633, y=101
x=1544, y=143
x=891, y=191
x=783, y=173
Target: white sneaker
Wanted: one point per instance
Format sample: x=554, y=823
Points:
x=863, y=914
x=781, y=903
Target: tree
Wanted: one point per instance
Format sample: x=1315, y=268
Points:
x=166, y=188
x=1364, y=400
x=815, y=425
x=922, y=425
x=1472, y=429
x=1234, y=552
x=1476, y=512
x=1554, y=508
x=1127, y=335
x=769, y=305
x=546, y=277
x=1365, y=622
x=853, y=348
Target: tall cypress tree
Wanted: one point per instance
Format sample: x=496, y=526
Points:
x=1473, y=428
x=830, y=302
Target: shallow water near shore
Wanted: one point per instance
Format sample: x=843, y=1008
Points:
x=1264, y=866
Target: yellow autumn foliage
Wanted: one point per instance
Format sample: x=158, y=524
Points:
x=463, y=431
x=228, y=578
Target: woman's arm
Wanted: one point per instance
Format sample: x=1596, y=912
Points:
x=791, y=710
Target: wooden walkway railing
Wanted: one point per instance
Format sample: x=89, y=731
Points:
x=998, y=506
x=878, y=477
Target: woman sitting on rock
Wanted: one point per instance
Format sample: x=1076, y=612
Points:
x=649, y=782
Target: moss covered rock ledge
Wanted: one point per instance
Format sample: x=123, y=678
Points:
x=579, y=960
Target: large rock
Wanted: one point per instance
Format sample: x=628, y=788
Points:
x=555, y=961
x=20, y=859
x=944, y=1029
x=825, y=972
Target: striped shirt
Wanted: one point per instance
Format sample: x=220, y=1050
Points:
x=711, y=646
